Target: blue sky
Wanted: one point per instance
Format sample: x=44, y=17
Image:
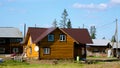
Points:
x=100, y=13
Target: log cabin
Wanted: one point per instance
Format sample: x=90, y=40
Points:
x=10, y=39
x=56, y=43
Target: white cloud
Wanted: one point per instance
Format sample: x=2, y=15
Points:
x=101, y=6
x=115, y=1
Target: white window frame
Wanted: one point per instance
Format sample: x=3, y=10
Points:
x=46, y=50
x=62, y=37
x=50, y=37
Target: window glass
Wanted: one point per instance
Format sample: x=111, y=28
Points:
x=46, y=50
x=30, y=49
x=15, y=50
x=62, y=37
x=2, y=50
x=2, y=40
x=95, y=50
x=15, y=40
x=50, y=37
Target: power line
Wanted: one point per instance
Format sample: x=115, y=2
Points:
x=104, y=25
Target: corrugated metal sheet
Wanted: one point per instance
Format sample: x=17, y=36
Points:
x=10, y=32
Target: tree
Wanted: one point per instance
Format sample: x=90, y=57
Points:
x=93, y=36
x=103, y=38
x=54, y=23
x=93, y=32
x=64, y=19
x=69, y=24
x=113, y=39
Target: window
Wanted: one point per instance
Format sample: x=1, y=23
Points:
x=15, y=40
x=2, y=50
x=15, y=50
x=62, y=37
x=50, y=37
x=30, y=50
x=83, y=51
x=46, y=50
x=2, y=40
x=95, y=50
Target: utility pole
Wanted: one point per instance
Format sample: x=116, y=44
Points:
x=83, y=26
x=35, y=25
x=116, y=34
x=24, y=30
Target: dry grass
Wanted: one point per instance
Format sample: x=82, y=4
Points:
x=104, y=65
x=114, y=64
x=71, y=65
x=62, y=64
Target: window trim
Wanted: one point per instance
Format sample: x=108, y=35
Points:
x=63, y=37
x=52, y=37
x=46, y=50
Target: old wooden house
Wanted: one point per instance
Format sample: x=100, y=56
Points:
x=10, y=39
x=56, y=43
x=99, y=48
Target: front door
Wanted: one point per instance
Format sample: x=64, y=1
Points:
x=79, y=50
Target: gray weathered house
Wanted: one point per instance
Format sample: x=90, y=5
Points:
x=98, y=48
x=10, y=39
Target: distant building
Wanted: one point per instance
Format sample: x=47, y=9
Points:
x=115, y=48
x=99, y=47
x=10, y=39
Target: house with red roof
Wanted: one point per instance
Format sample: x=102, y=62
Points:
x=56, y=43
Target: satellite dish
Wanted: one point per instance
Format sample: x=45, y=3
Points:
x=36, y=48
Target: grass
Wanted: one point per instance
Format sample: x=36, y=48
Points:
x=12, y=63
x=17, y=64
